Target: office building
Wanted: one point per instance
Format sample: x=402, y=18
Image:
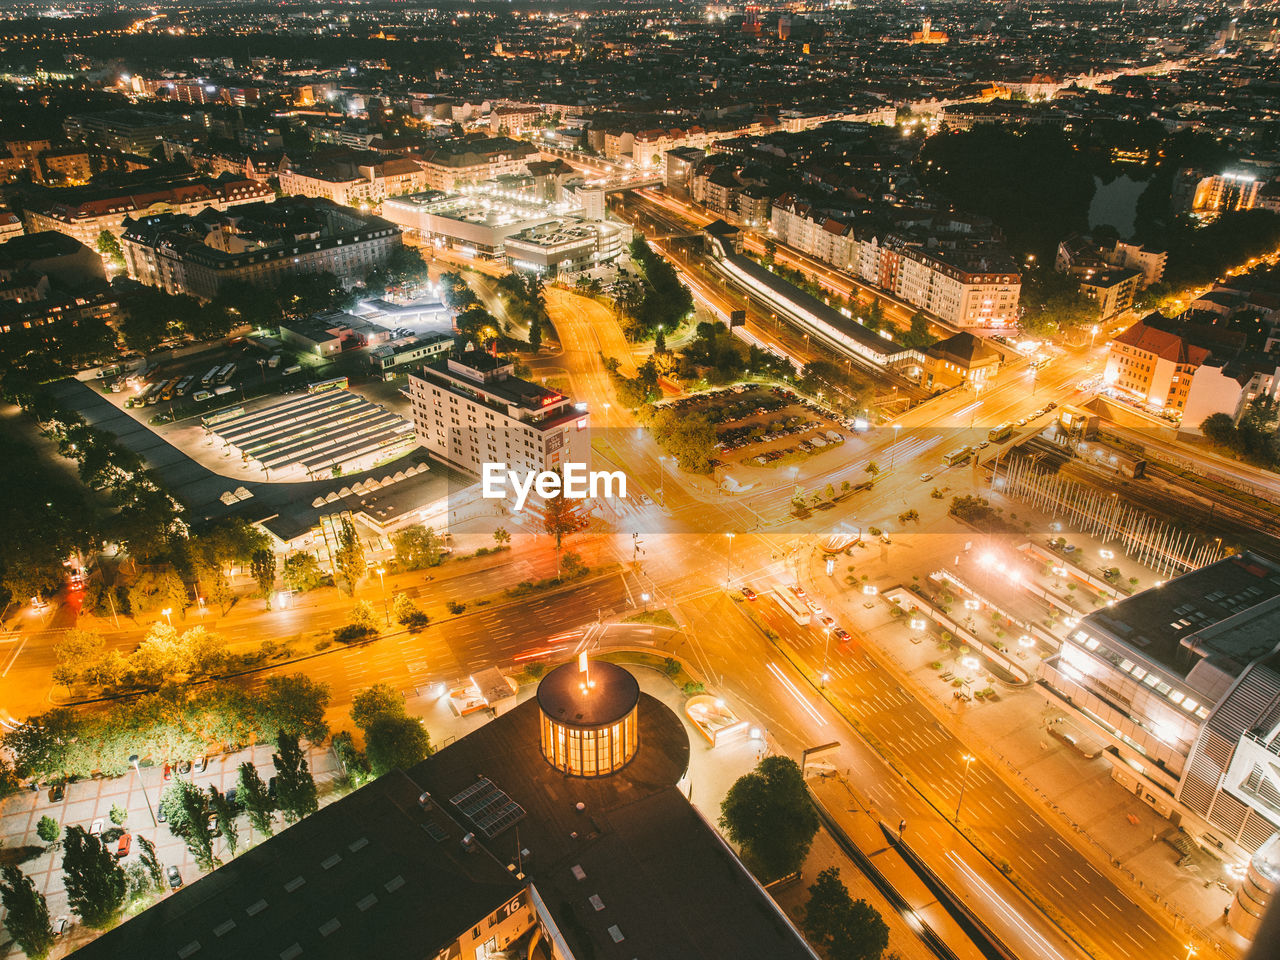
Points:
x=259, y=244
x=566, y=246
x=91, y=211
x=473, y=160
x=473, y=409
x=1182, y=681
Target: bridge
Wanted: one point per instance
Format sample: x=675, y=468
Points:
x=613, y=176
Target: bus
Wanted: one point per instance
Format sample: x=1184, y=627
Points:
x=1001, y=433
x=167, y=394
x=226, y=373
x=792, y=606
x=210, y=375
x=958, y=456
x=184, y=385
x=334, y=383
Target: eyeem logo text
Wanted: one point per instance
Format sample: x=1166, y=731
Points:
x=575, y=483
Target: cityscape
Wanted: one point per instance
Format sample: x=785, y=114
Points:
x=576, y=481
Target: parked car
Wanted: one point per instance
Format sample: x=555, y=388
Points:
x=798, y=591
x=160, y=814
x=122, y=849
x=175, y=877
x=926, y=477
x=983, y=444
x=215, y=831
x=184, y=767
x=61, y=925
x=167, y=774
x=201, y=763
x=95, y=830
x=748, y=593
x=57, y=792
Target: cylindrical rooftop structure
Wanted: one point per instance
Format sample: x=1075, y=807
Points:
x=588, y=726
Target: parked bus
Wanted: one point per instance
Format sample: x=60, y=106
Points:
x=184, y=385
x=958, y=456
x=210, y=375
x=1001, y=433
x=320, y=386
x=226, y=373
x=167, y=393
x=794, y=607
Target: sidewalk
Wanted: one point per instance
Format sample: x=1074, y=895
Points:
x=1114, y=828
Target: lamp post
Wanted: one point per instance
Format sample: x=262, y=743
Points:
x=383, y=583
x=168, y=615
x=964, y=781
x=146, y=796
x=728, y=561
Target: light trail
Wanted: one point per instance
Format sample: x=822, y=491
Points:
x=1001, y=905
x=795, y=692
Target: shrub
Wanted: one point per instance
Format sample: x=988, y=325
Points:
x=693, y=688
x=355, y=633
x=455, y=607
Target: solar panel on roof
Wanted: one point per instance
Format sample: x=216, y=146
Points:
x=480, y=784
x=514, y=815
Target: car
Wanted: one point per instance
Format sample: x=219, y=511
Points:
x=215, y=831
x=798, y=591
x=231, y=799
x=272, y=787
x=814, y=607
x=174, y=876
x=842, y=634
x=167, y=774
x=61, y=925
x=1051, y=405
x=983, y=444
x=748, y=593
x=926, y=477
x=1023, y=422
x=95, y=830
x=184, y=767
x=884, y=538
x=827, y=621
x=56, y=793
x=200, y=764
x=122, y=848
x=1040, y=413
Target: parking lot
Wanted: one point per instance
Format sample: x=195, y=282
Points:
x=766, y=426
x=87, y=801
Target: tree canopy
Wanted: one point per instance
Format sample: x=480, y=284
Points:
x=768, y=814
x=839, y=927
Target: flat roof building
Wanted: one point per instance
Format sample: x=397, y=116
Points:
x=426, y=864
x=1183, y=681
x=472, y=410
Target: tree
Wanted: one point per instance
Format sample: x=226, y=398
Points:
x=48, y=830
x=872, y=469
x=501, y=537
x=147, y=857
x=296, y=704
x=918, y=336
x=94, y=880
x=349, y=556
x=770, y=251
x=119, y=814
x=296, y=788
x=186, y=808
x=393, y=739
x=395, y=743
x=301, y=572
x=418, y=547
x=26, y=913
x=109, y=247
x=256, y=798
x=263, y=566
x=1219, y=428
x=838, y=926
x=767, y=813
x=559, y=519
x=408, y=614
x=225, y=813
x=660, y=341
x=41, y=747
x=535, y=334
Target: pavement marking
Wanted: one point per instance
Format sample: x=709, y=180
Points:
x=1112, y=902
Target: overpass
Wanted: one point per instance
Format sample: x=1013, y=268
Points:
x=613, y=176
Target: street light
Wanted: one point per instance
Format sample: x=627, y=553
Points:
x=964, y=781
x=728, y=562
x=1191, y=951
x=382, y=581
x=134, y=760
x=168, y=615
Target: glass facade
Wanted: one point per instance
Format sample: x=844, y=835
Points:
x=589, y=751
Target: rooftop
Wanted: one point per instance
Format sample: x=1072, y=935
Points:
x=360, y=871
x=611, y=695
x=1227, y=612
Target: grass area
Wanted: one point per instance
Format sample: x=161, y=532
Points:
x=669, y=667
x=660, y=618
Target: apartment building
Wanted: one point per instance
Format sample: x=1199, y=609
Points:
x=515, y=121
x=472, y=410
x=124, y=131
x=1153, y=365
x=798, y=225
x=967, y=285
x=473, y=160
x=354, y=181
x=107, y=210
x=1111, y=291
x=260, y=244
